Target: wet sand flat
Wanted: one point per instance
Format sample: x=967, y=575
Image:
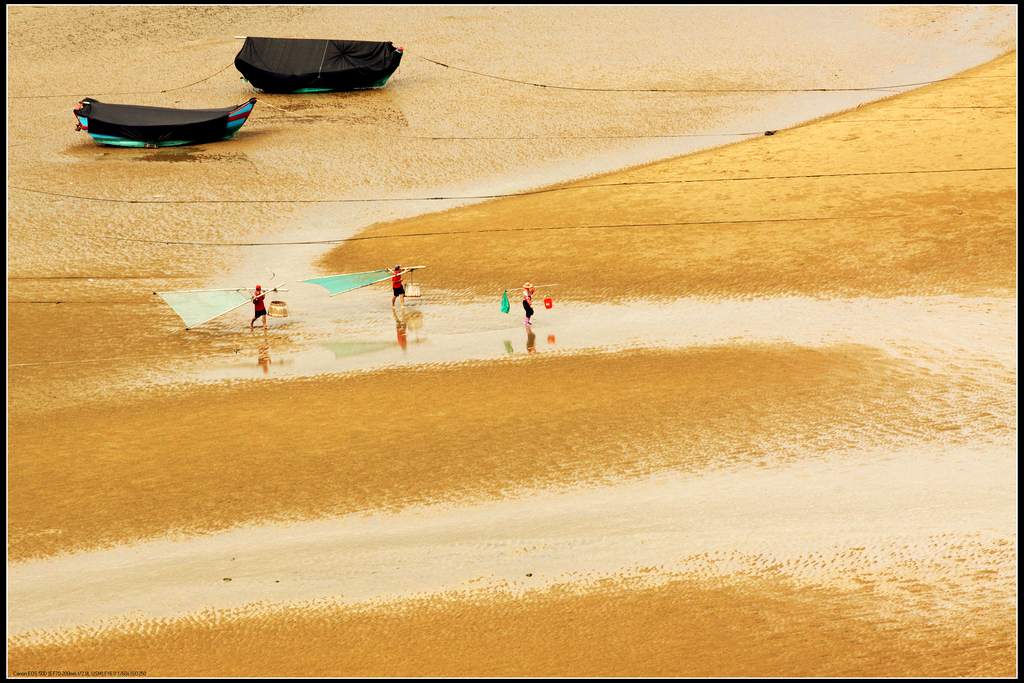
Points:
x=832, y=496
x=500, y=429
x=838, y=532
x=681, y=628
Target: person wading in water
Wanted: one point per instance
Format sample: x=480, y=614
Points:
x=528, y=292
x=397, y=289
x=261, y=309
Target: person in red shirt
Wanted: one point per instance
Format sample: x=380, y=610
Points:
x=261, y=309
x=397, y=289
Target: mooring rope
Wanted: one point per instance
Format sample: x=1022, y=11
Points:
x=553, y=86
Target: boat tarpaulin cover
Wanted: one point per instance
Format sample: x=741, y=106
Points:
x=290, y=64
x=155, y=124
x=346, y=282
x=198, y=307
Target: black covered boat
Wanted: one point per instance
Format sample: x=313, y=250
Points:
x=128, y=125
x=288, y=65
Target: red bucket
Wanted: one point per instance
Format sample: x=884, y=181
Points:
x=548, y=303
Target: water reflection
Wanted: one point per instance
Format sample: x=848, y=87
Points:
x=531, y=342
x=263, y=354
x=400, y=327
x=410, y=320
x=345, y=349
x=414, y=319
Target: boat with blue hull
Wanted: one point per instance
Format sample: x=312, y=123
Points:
x=128, y=125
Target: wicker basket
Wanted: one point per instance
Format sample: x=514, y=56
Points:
x=412, y=291
x=277, y=309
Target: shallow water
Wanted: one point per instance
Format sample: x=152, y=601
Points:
x=358, y=336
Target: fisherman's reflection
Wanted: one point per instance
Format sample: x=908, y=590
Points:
x=403, y=321
x=403, y=341
x=531, y=343
x=263, y=352
x=414, y=320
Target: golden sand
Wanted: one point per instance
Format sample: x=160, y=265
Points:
x=913, y=196
x=500, y=429
x=899, y=197
x=749, y=628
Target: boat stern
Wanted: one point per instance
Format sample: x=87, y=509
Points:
x=238, y=117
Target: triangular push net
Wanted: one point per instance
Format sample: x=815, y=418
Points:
x=346, y=282
x=198, y=307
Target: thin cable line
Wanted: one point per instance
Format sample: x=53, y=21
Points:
x=693, y=90
x=487, y=230
x=500, y=196
x=138, y=92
